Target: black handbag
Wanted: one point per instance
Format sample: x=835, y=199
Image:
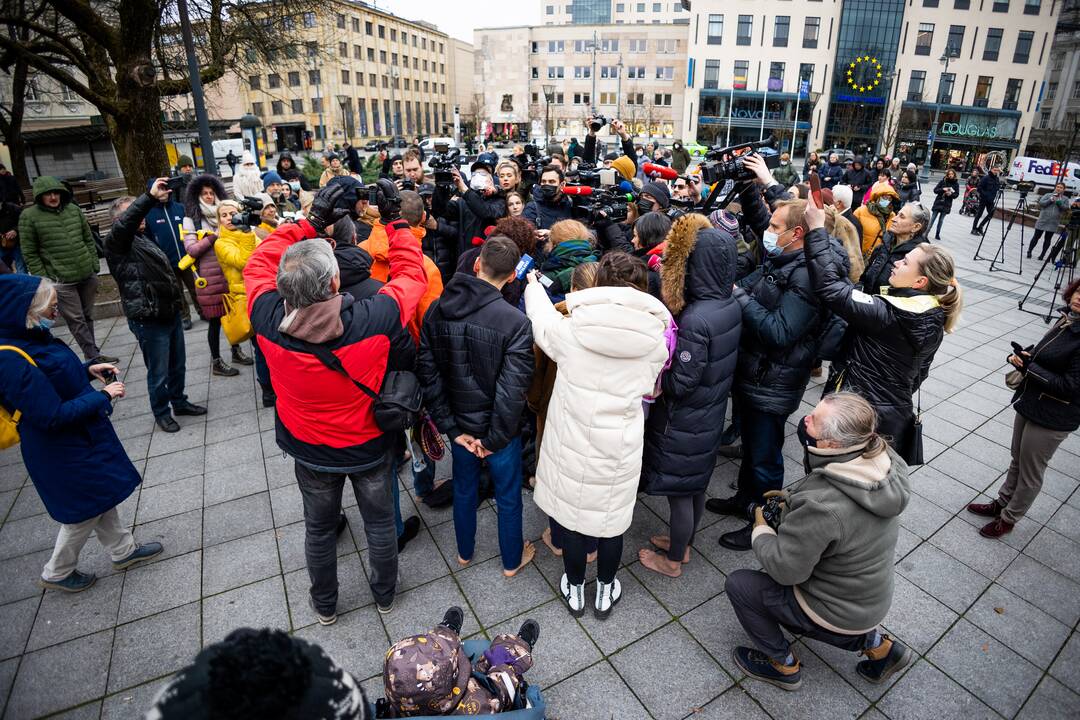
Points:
x=396, y=405
x=912, y=447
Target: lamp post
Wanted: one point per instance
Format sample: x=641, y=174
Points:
x=885, y=114
x=549, y=95
x=618, y=91
x=209, y=165
x=395, y=128
x=925, y=174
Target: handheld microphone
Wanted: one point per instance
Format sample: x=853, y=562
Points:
x=660, y=171
x=580, y=190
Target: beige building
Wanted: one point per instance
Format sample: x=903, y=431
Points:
x=559, y=75
x=612, y=12
x=363, y=73
x=462, y=84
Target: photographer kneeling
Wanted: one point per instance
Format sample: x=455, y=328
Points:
x=827, y=551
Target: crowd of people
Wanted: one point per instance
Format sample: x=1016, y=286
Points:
x=573, y=355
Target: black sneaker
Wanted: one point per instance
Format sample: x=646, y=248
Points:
x=885, y=660
x=111, y=359
x=454, y=618
x=733, y=506
x=758, y=665
x=733, y=452
x=529, y=632
x=166, y=423
x=412, y=529
x=342, y=523
x=239, y=358
x=187, y=408
x=222, y=369
x=738, y=540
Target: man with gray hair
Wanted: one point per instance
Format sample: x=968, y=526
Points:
x=150, y=295
x=826, y=547
x=321, y=345
x=842, y=199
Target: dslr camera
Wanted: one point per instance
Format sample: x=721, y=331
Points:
x=441, y=163
x=248, y=217
x=770, y=510
x=729, y=163
x=597, y=122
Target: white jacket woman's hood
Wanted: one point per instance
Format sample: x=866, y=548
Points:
x=616, y=322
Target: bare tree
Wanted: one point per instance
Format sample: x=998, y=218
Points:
x=11, y=117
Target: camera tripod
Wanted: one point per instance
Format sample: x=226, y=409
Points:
x=1063, y=256
x=999, y=256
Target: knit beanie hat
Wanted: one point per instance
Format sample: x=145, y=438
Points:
x=184, y=160
x=625, y=166
x=270, y=177
x=659, y=193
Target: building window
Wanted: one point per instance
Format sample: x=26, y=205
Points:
x=1023, y=46
x=556, y=46
x=982, y=90
x=635, y=72
x=640, y=7
x=345, y=77
x=372, y=80
x=294, y=79
x=781, y=29
x=946, y=85
x=273, y=80
x=382, y=32
x=582, y=99
x=620, y=7
x=742, y=70
x=297, y=106
x=1001, y=6
x=309, y=19
x=277, y=107
x=356, y=24
x=255, y=82
x=312, y=49
x=555, y=73
x=930, y=3
x=580, y=46
x=639, y=46
x=1012, y=93
x=1044, y=121
x=961, y=4
x=549, y=10
x=535, y=98
x=811, y=31
x=535, y=73
x=665, y=73
x=662, y=99
x=667, y=46
x=314, y=77
x=635, y=98
x=716, y=29
x=1032, y=7
x=257, y=109
x=288, y=23
x=369, y=29
x=915, y=85
x=343, y=49
x=993, y=43
x=341, y=21
x=609, y=71
x=1051, y=91
x=582, y=71
x=924, y=39
x=382, y=57
x=609, y=45
x=1076, y=91
x=712, y=74
x=956, y=41
x=745, y=30
x=776, y=72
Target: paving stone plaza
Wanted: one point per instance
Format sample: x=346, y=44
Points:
x=993, y=623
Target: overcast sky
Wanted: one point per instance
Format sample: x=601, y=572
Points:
x=457, y=18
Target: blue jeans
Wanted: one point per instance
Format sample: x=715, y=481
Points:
x=162, y=346
x=423, y=482
x=505, y=468
x=762, y=467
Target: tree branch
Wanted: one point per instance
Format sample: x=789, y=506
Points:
x=43, y=65
x=64, y=45
x=89, y=22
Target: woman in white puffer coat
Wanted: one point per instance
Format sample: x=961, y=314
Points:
x=610, y=349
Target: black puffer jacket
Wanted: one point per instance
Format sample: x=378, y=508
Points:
x=292, y=173
x=782, y=324
x=1050, y=393
x=880, y=266
x=683, y=430
x=943, y=202
x=889, y=344
x=354, y=266
x=859, y=179
x=475, y=362
x=149, y=291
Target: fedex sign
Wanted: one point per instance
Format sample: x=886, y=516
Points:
x=1043, y=172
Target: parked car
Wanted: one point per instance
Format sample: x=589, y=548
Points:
x=399, y=142
x=428, y=144
x=372, y=146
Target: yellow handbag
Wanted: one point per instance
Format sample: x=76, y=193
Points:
x=9, y=422
x=235, y=322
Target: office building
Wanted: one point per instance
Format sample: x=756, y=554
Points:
x=611, y=12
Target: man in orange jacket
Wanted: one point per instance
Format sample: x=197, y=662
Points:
x=377, y=245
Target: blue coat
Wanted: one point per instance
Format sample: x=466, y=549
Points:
x=70, y=449
x=161, y=225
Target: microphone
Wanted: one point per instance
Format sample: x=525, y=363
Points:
x=580, y=190
x=660, y=171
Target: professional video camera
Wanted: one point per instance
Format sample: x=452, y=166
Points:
x=594, y=205
x=1024, y=187
x=597, y=122
x=589, y=175
x=729, y=163
x=442, y=162
x=531, y=163
x=248, y=217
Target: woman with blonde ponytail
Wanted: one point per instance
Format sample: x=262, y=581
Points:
x=891, y=338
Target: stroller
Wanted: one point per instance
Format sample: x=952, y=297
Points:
x=971, y=199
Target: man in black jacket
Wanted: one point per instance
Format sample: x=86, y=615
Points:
x=781, y=333
x=476, y=364
x=549, y=205
x=150, y=296
x=988, y=191
x=859, y=178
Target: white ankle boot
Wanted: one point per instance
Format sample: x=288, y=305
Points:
x=574, y=595
x=607, y=594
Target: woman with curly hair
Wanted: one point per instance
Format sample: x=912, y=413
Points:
x=523, y=233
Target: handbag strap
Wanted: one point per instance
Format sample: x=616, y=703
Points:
x=332, y=361
x=17, y=414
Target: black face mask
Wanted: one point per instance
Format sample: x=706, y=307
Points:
x=644, y=206
x=805, y=437
x=547, y=192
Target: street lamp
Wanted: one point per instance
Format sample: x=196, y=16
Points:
x=925, y=174
x=885, y=114
x=549, y=95
x=395, y=128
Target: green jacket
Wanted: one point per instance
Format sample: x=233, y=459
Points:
x=786, y=175
x=56, y=243
x=837, y=536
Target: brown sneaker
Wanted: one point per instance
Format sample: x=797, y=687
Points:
x=996, y=528
x=990, y=509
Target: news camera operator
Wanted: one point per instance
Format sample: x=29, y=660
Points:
x=462, y=210
x=598, y=122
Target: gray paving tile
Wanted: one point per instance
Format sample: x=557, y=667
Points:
x=1051, y=701
x=940, y=489
x=160, y=586
x=823, y=694
x=228, y=428
x=288, y=503
x=967, y=470
x=21, y=575
x=1023, y=627
x=89, y=711
x=419, y=563
x=1066, y=521
x=154, y=646
x=494, y=597
x=132, y=703
x=563, y=648
x=27, y=504
x=1066, y=462
x=239, y=562
x=258, y=605
x=244, y=451
x=636, y=615
x=699, y=582
x=353, y=590
x=61, y=676
x=666, y=689
x=1066, y=667
x=290, y=541
x=178, y=534
x=997, y=675
x=171, y=498
x=192, y=435
x=735, y=704
x=487, y=543
x=16, y=620
x=957, y=415
x=1056, y=551
x=715, y=626
x=357, y=641
x=7, y=677
x=944, y=577
x=576, y=697
x=174, y=466
x=925, y=686
x=20, y=537
x=63, y=616
x=987, y=556
x=1050, y=591
x=916, y=617
x=233, y=482
x=923, y=517
x=418, y=609
x=236, y=518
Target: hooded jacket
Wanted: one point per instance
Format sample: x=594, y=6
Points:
x=202, y=248
x=560, y=263
x=859, y=178
x=837, y=537
x=942, y=201
x=322, y=419
x=149, y=290
x=889, y=344
x=378, y=247
x=354, y=268
x=682, y=433
x=292, y=174
x=831, y=174
x=680, y=157
x=475, y=362
x=872, y=226
x=75, y=460
x=56, y=242
x=163, y=223
x=609, y=349
x=786, y=175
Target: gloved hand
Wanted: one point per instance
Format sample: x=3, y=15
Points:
x=325, y=208
x=388, y=201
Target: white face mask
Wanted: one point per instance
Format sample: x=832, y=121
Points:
x=480, y=181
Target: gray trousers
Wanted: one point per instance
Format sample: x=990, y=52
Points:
x=75, y=301
x=764, y=606
x=1032, y=447
x=111, y=532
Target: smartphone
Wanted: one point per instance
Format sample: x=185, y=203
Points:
x=815, y=190
x=109, y=376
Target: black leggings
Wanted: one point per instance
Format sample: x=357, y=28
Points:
x=575, y=548
x=1035, y=241
x=686, y=511
x=213, y=337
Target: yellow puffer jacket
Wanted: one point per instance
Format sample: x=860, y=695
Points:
x=872, y=227
x=233, y=248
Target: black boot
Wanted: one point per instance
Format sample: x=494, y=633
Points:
x=454, y=619
x=529, y=632
x=239, y=358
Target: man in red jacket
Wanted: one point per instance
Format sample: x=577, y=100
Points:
x=323, y=420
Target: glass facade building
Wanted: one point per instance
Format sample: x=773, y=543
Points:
x=590, y=12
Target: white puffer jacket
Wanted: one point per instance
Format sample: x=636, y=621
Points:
x=609, y=349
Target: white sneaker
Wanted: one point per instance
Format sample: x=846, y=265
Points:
x=607, y=594
x=574, y=595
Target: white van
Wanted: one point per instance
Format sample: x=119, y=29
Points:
x=1043, y=172
x=428, y=144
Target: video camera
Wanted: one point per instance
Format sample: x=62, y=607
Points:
x=729, y=163
x=587, y=174
x=597, y=122
x=249, y=215
x=592, y=205
x=442, y=162
x=1024, y=187
x=531, y=163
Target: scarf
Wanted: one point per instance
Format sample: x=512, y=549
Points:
x=209, y=213
x=316, y=323
x=813, y=459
